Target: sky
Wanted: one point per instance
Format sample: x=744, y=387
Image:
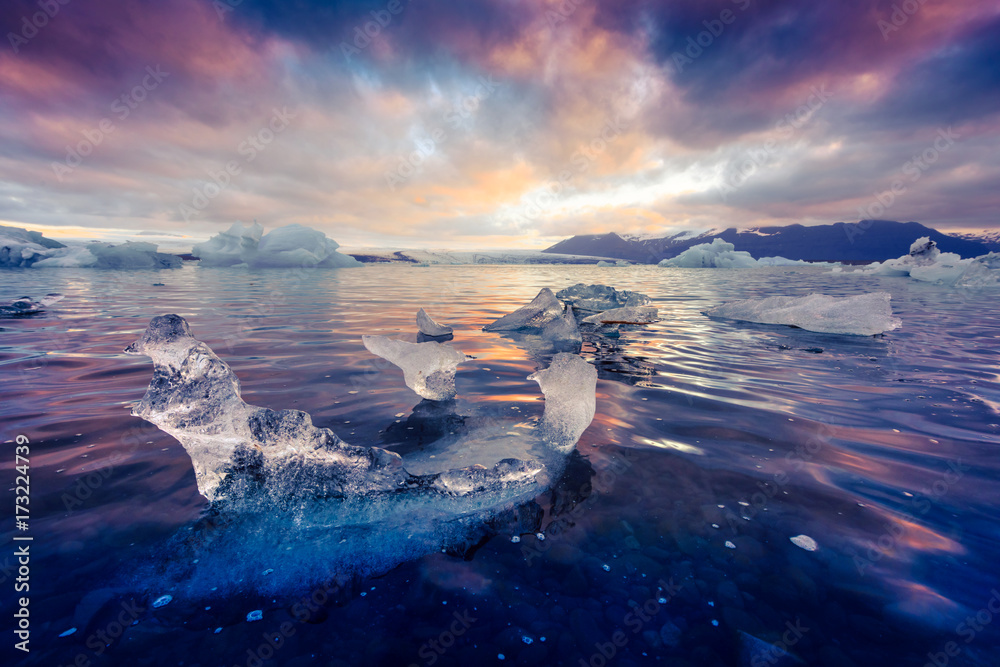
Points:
x=495, y=123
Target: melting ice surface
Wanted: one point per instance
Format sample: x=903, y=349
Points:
x=862, y=315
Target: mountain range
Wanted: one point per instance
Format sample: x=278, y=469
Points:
x=864, y=241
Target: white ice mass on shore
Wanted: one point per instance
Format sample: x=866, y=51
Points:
x=861, y=315
x=290, y=246
x=722, y=255
x=927, y=263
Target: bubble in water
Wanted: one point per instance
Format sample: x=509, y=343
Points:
x=255, y=615
x=162, y=601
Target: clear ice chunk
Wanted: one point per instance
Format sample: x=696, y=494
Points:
x=238, y=449
x=543, y=310
x=597, y=298
x=570, y=388
x=628, y=315
x=862, y=315
x=429, y=327
x=428, y=368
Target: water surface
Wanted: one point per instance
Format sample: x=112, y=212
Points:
x=714, y=444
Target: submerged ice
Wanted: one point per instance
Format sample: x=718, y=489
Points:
x=27, y=306
x=428, y=368
x=862, y=315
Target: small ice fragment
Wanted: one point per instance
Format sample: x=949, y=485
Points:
x=429, y=327
x=67, y=633
x=162, y=601
x=730, y=545
x=428, y=368
x=804, y=542
x=527, y=640
x=606, y=567
x=255, y=615
x=544, y=309
x=217, y=631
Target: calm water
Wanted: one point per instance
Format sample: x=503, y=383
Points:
x=666, y=539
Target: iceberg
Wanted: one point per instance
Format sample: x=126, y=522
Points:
x=240, y=450
x=861, y=315
x=628, y=315
x=429, y=327
x=22, y=248
x=927, y=263
x=236, y=245
x=597, y=298
x=541, y=311
x=428, y=368
x=26, y=306
x=983, y=271
x=299, y=246
x=291, y=246
x=128, y=255
x=720, y=254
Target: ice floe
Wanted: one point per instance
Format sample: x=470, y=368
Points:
x=862, y=315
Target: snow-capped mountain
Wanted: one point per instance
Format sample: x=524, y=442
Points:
x=988, y=237
x=865, y=241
